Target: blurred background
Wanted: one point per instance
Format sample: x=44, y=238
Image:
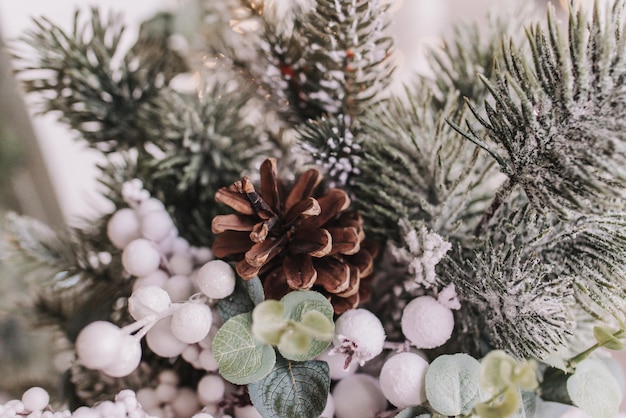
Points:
x=46, y=174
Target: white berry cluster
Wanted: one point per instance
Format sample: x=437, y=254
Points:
x=35, y=404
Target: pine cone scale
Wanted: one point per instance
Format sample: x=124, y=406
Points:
x=331, y=204
x=222, y=223
x=299, y=271
x=306, y=183
x=345, y=240
x=332, y=274
x=230, y=243
x=316, y=242
x=269, y=184
x=232, y=198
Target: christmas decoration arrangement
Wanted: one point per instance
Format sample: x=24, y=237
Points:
x=291, y=235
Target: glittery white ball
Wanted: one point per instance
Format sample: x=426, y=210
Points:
x=156, y=225
x=128, y=358
x=427, y=323
x=216, y=279
x=211, y=389
x=150, y=205
x=180, y=288
x=364, y=329
x=157, y=278
x=98, y=344
x=148, y=300
x=358, y=396
x=123, y=227
x=402, y=380
x=35, y=399
x=162, y=341
x=181, y=263
x=141, y=258
x=186, y=402
x=192, y=322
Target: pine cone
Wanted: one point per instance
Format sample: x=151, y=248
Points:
x=296, y=243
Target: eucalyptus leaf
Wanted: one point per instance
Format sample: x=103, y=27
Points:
x=254, y=288
x=413, y=412
x=317, y=325
x=452, y=384
x=294, y=342
x=268, y=323
x=297, y=304
x=606, y=339
x=292, y=389
x=237, y=303
x=241, y=358
x=594, y=389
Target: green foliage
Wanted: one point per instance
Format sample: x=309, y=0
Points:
x=556, y=125
x=246, y=295
x=451, y=384
x=414, y=167
x=292, y=389
x=242, y=359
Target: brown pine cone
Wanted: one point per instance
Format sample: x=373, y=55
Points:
x=295, y=241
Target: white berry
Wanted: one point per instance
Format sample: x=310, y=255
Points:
x=185, y=403
x=123, y=227
x=161, y=340
x=402, y=379
x=360, y=334
x=98, y=344
x=181, y=263
x=35, y=399
x=128, y=359
x=180, y=288
x=150, y=205
x=358, y=396
x=336, y=363
x=216, y=279
x=157, y=278
x=211, y=389
x=140, y=257
x=148, y=300
x=426, y=323
x=192, y=322
x=156, y=225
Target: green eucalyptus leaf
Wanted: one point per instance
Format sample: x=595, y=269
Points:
x=268, y=324
x=292, y=390
x=317, y=325
x=606, y=339
x=237, y=303
x=497, y=370
x=297, y=304
x=294, y=342
x=241, y=358
x=452, y=384
x=594, y=389
x=254, y=288
x=505, y=407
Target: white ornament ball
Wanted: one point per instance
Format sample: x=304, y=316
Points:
x=402, y=380
x=148, y=300
x=98, y=345
x=180, y=288
x=181, y=263
x=123, y=227
x=186, y=402
x=166, y=392
x=141, y=258
x=336, y=363
x=211, y=389
x=156, y=225
x=147, y=398
x=162, y=341
x=85, y=412
x=157, y=278
x=247, y=411
x=207, y=360
x=358, y=396
x=203, y=415
x=35, y=399
x=150, y=205
x=128, y=359
x=426, y=323
x=364, y=329
x=216, y=279
x=191, y=322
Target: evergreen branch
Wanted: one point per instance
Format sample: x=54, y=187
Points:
x=520, y=303
x=109, y=95
x=557, y=124
x=422, y=172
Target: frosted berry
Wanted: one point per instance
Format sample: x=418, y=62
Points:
x=402, y=379
x=157, y=278
x=161, y=340
x=426, y=323
x=98, y=344
x=148, y=300
x=186, y=402
x=156, y=225
x=180, y=288
x=336, y=363
x=181, y=263
x=216, y=279
x=35, y=399
x=123, y=227
x=128, y=359
x=140, y=257
x=358, y=396
x=192, y=322
x=359, y=334
x=211, y=389
x=150, y=205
